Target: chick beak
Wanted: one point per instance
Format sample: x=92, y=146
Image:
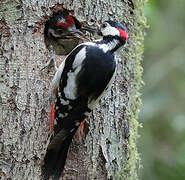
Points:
x=76, y=33
x=91, y=29
x=80, y=33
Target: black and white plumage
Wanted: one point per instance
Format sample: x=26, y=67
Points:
x=62, y=31
x=81, y=81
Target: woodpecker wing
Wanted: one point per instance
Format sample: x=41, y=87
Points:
x=83, y=78
x=87, y=72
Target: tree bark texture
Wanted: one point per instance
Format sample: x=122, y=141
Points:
x=109, y=149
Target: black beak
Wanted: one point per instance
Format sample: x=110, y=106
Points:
x=79, y=33
x=76, y=33
x=91, y=29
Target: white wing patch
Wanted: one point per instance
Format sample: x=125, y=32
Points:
x=70, y=90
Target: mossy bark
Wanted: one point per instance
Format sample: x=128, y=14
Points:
x=109, y=149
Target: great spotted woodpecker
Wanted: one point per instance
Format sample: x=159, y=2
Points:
x=81, y=80
x=62, y=33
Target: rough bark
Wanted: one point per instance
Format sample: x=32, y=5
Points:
x=109, y=149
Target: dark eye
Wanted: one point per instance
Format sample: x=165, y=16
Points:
x=104, y=25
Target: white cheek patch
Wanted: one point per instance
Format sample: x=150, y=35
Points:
x=109, y=30
x=53, y=33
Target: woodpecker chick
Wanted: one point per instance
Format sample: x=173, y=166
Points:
x=62, y=33
x=81, y=81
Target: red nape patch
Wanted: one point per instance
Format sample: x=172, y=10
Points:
x=123, y=34
x=70, y=19
x=63, y=25
x=52, y=118
x=69, y=22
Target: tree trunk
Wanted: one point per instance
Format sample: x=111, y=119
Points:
x=109, y=149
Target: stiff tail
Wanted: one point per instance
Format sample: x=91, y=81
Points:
x=56, y=155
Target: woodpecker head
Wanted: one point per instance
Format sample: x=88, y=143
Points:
x=114, y=30
x=63, y=25
x=69, y=24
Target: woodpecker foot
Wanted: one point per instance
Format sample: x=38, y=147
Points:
x=50, y=63
x=52, y=118
x=52, y=60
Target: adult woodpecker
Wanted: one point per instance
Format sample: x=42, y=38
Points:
x=81, y=80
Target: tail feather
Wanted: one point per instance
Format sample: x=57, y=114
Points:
x=56, y=155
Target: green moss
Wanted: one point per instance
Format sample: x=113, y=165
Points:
x=135, y=103
x=131, y=166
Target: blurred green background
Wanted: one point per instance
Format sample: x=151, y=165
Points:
x=162, y=141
